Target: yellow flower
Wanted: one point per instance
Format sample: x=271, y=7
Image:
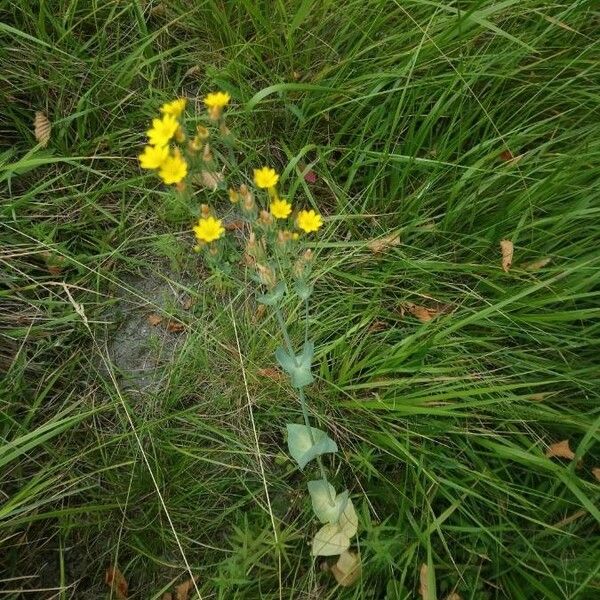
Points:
x=153, y=156
x=174, y=108
x=174, y=169
x=280, y=209
x=265, y=177
x=162, y=130
x=209, y=229
x=217, y=100
x=309, y=220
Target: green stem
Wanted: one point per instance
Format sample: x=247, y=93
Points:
x=303, y=404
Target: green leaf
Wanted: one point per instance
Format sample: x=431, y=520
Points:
x=274, y=296
x=348, y=520
x=302, y=289
x=297, y=367
x=327, y=506
x=330, y=540
x=301, y=447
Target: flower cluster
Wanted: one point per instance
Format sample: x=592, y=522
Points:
x=275, y=221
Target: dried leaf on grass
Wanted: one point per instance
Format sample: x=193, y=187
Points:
x=424, y=582
x=560, y=449
x=167, y=596
x=236, y=225
x=187, y=303
x=154, y=319
x=347, y=569
x=454, y=596
x=425, y=313
x=596, y=473
x=42, y=128
x=507, y=254
x=175, y=326
x=115, y=580
x=271, y=373
x=182, y=591
x=536, y=265
x=382, y=244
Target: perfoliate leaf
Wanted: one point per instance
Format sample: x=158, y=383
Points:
x=301, y=445
x=348, y=520
x=297, y=367
x=303, y=289
x=347, y=569
x=274, y=296
x=330, y=540
x=327, y=506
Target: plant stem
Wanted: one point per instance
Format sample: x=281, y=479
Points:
x=303, y=404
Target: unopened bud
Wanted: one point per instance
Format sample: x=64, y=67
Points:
x=247, y=198
x=266, y=218
x=179, y=135
x=267, y=275
x=202, y=132
x=207, y=154
x=205, y=210
x=180, y=186
x=234, y=196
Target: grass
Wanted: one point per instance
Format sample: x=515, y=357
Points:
x=410, y=113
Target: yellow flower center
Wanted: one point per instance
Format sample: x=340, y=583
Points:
x=280, y=209
x=209, y=229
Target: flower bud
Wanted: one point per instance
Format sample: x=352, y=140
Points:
x=266, y=218
x=234, y=196
x=202, y=132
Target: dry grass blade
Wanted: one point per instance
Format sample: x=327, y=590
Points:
x=385, y=243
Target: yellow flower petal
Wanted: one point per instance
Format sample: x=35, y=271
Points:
x=174, y=108
x=265, y=177
x=280, y=209
x=173, y=169
x=153, y=157
x=309, y=221
x=217, y=99
x=209, y=229
x=162, y=130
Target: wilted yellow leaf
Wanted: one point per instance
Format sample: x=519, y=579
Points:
x=347, y=569
x=561, y=450
x=423, y=583
x=422, y=313
x=507, y=254
x=381, y=244
x=115, y=580
x=271, y=373
x=330, y=540
x=175, y=326
x=42, y=128
x=596, y=473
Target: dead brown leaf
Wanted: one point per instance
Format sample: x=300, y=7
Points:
x=382, y=244
x=596, y=473
x=211, y=179
x=167, y=596
x=175, y=326
x=237, y=225
x=507, y=254
x=154, y=319
x=560, y=450
x=182, y=591
x=423, y=583
x=42, y=128
x=536, y=265
x=377, y=326
x=187, y=303
x=423, y=313
x=115, y=580
x=347, y=569
x=454, y=596
x=271, y=373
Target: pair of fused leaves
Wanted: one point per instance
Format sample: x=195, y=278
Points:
x=305, y=443
x=298, y=366
x=271, y=298
x=334, y=538
x=339, y=516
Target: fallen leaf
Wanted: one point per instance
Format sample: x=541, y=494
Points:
x=423, y=583
x=182, y=591
x=271, y=373
x=506, y=155
x=175, y=326
x=259, y=313
x=422, y=313
x=536, y=265
x=561, y=450
x=454, y=596
x=377, y=326
x=187, y=303
x=154, y=319
x=596, y=473
x=42, y=128
x=115, y=580
x=507, y=254
x=211, y=179
x=237, y=225
x=347, y=569
x=539, y=397
x=167, y=596
x=381, y=244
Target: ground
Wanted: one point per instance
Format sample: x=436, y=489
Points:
x=425, y=133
